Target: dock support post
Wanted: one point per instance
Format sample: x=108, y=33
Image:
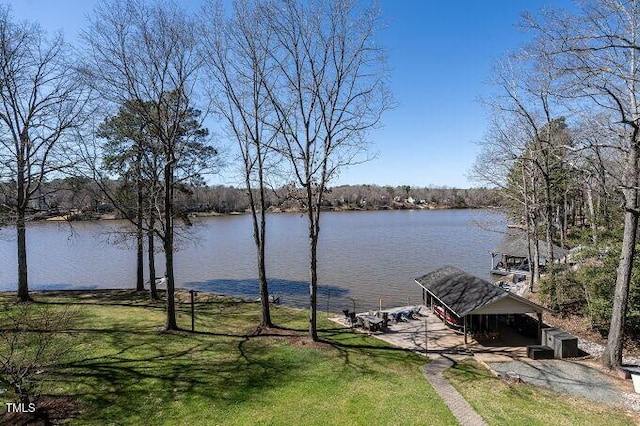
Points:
x=464, y=326
x=540, y=328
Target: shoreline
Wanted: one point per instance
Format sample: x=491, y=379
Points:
x=93, y=216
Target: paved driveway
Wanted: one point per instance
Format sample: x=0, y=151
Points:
x=565, y=376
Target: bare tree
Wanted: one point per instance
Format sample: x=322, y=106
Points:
x=31, y=342
x=237, y=51
x=328, y=92
x=527, y=145
x=149, y=53
x=596, y=50
x=41, y=102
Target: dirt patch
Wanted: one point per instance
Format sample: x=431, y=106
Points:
x=49, y=410
x=293, y=337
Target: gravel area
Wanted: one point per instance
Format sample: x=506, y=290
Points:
x=632, y=400
x=571, y=378
x=596, y=350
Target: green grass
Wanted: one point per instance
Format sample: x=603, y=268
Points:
x=521, y=404
x=123, y=371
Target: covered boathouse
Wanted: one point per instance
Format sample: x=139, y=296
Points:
x=512, y=257
x=472, y=304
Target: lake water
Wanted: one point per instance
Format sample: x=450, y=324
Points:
x=363, y=256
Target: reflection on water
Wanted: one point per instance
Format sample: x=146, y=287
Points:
x=370, y=257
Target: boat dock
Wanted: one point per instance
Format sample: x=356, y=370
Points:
x=427, y=334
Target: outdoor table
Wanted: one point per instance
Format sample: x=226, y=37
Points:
x=371, y=322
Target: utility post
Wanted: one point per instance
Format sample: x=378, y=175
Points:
x=193, y=311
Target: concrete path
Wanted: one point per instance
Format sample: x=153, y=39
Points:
x=459, y=407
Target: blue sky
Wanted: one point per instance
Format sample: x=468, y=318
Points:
x=440, y=54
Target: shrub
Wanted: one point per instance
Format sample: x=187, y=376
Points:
x=31, y=343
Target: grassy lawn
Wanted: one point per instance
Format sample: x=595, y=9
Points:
x=123, y=371
x=501, y=404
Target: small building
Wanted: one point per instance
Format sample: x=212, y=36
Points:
x=473, y=304
x=512, y=257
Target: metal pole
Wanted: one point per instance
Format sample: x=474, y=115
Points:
x=426, y=339
x=193, y=311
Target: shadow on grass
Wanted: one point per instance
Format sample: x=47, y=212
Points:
x=222, y=368
x=132, y=298
x=127, y=371
x=112, y=297
x=151, y=373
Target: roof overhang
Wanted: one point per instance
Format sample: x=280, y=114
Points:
x=506, y=303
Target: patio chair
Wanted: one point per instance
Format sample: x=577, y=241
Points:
x=406, y=315
x=367, y=324
x=352, y=318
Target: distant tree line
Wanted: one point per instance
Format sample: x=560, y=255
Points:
x=79, y=198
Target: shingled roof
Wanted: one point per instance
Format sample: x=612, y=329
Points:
x=464, y=293
x=516, y=245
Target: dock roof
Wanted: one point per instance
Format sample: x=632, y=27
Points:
x=465, y=294
x=516, y=245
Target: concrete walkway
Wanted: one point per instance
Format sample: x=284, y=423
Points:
x=459, y=407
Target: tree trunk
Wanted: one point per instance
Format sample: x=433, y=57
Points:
x=535, y=266
x=528, y=224
x=313, y=265
x=259, y=234
x=168, y=245
x=592, y=215
x=565, y=218
x=612, y=356
x=262, y=276
x=313, y=288
x=21, y=231
x=139, y=230
x=536, y=261
x=23, y=288
x=548, y=208
x=140, y=256
x=152, y=259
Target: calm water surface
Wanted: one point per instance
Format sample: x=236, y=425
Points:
x=363, y=256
